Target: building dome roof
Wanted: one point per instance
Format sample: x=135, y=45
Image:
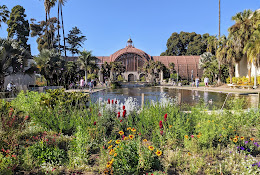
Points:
x=129, y=49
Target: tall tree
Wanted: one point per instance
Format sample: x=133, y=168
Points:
x=39, y=30
x=18, y=26
x=60, y=4
x=4, y=14
x=75, y=39
x=48, y=4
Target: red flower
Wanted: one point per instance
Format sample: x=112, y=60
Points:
x=165, y=117
x=95, y=123
x=121, y=120
x=3, y=149
x=108, y=101
x=124, y=113
x=160, y=124
x=123, y=137
x=99, y=114
x=118, y=114
x=115, y=102
x=112, y=101
x=7, y=151
x=123, y=107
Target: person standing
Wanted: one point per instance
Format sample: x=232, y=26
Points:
x=197, y=81
x=82, y=83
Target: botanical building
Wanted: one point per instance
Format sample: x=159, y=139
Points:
x=133, y=59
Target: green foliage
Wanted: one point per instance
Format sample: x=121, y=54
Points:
x=75, y=39
x=92, y=76
x=18, y=26
x=5, y=165
x=120, y=78
x=4, y=14
x=143, y=79
x=43, y=152
x=186, y=43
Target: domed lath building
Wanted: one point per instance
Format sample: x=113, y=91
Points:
x=133, y=58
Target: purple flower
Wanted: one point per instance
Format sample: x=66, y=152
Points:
x=248, y=150
x=238, y=147
x=246, y=142
x=242, y=148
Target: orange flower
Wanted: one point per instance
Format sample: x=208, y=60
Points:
x=125, y=138
x=252, y=139
x=237, y=137
x=115, y=154
x=110, y=147
x=198, y=136
x=186, y=136
x=189, y=153
x=131, y=136
x=145, y=140
x=151, y=148
x=121, y=132
x=129, y=128
x=242, y=138
x=158, y=153
x=109, y=142
x=109, y=164
x=111, y=152
x=235, y=140
x=170, y=126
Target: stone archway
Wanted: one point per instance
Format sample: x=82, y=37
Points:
x=131, y=77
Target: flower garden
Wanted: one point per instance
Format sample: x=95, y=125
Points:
x=57, y=133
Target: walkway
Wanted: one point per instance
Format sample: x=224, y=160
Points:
x=221, y=89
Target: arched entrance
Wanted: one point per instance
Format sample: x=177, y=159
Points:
x=131, y=77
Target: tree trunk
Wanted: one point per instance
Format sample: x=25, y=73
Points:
x=86, y=80
x=47, y=33
x=63, y=30
x=230, y=74
x=59, y=25
x=249, y=75
x=219, y=74
x=2, y=82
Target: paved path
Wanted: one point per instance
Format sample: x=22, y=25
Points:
x=223, y=89
x=85, y=90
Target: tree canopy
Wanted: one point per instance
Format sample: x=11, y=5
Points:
x=185, y=43
x=75, y=40
x=4, y=14
x=18, y=26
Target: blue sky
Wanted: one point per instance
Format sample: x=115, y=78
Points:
x=108, y=24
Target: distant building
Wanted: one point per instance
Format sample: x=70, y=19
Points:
x=133, y=58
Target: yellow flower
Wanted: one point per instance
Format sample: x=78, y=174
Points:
x=145, y=140
x=129, y=128
x=125, y=138
x=242, y=138
x=121, y=132
x=219, y=140
x=212, y=120
x=170, y=126
x=109, y=164
x=151, y=148
x=133, y=129
x=223, y=128
x=230, y=126
x=118, y=141
x=158, y=153
x=189, y=153
x=131, y=136
x=186, y=136
x=235, y=140
x=110, y=147
x=115, y=154
x=109, y=142
x=111, y=152
x=237, y=137
x=209, y=121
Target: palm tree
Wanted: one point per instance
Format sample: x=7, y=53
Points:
x=48, y=4
x=4, y=14
x=252, y=49
x=87, y=61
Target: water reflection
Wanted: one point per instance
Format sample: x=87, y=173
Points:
x=190, y=97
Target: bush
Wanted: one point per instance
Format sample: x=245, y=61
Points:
x=120, y=78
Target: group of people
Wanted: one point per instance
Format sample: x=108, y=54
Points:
x=83, y=84
x=195, y=83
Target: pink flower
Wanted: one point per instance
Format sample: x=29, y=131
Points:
x=99, y=114
x=14, y=156
x=95, y=122
x=165, y=117
x=161, y=132
x=26, y=117
x=192, y=136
